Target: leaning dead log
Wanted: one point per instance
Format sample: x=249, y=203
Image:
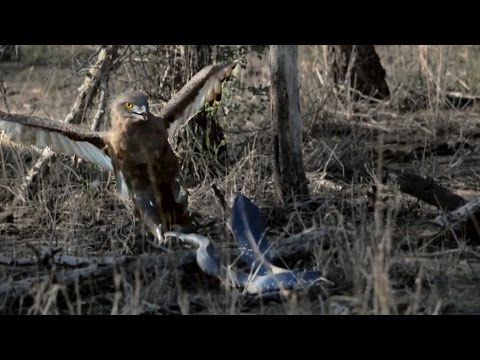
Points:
x=464, y=221
x=468, y=214
x=458, y=215
x=426, y=190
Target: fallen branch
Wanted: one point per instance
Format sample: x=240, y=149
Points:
x=460, y=253
x=63, y=260
x=19, y=288
x=305, y=242
x=464, y=215
x=406, y=153
x=460, y=215
x=426, y=190
x=102, y=266
x=284, y=248
x=93, y=268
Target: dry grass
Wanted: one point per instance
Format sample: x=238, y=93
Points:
x=382, y=260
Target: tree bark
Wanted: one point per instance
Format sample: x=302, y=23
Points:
x=196, y=58
x=289, y=174
x=359, y=67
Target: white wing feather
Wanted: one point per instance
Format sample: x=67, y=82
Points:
x=60, y=143
x=57, y=142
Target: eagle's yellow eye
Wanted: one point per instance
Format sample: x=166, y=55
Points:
x=128, y=105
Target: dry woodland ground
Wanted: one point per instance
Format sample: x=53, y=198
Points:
x=383, y=256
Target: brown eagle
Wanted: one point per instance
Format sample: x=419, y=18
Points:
x=136, y=148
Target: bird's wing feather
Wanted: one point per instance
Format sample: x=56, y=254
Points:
x=58, y=136
x=62, y=138
x=205, y=86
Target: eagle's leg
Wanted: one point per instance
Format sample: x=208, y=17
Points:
x=149, y=214
x=179, y=189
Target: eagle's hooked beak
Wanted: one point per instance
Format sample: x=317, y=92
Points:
x=143, y=111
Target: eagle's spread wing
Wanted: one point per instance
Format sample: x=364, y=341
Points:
x=205, y=86
x=62, y=138
x=58, y=136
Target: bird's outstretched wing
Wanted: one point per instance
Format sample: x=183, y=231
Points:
x=58, y=136
x=205, y=86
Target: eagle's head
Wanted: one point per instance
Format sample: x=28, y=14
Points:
x=130, y=106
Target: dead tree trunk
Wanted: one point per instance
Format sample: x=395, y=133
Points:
x=359, y=67
x=289, y=174
x=196, y=58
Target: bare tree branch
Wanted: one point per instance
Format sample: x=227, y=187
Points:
x=87, y=91
x=102, y=105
